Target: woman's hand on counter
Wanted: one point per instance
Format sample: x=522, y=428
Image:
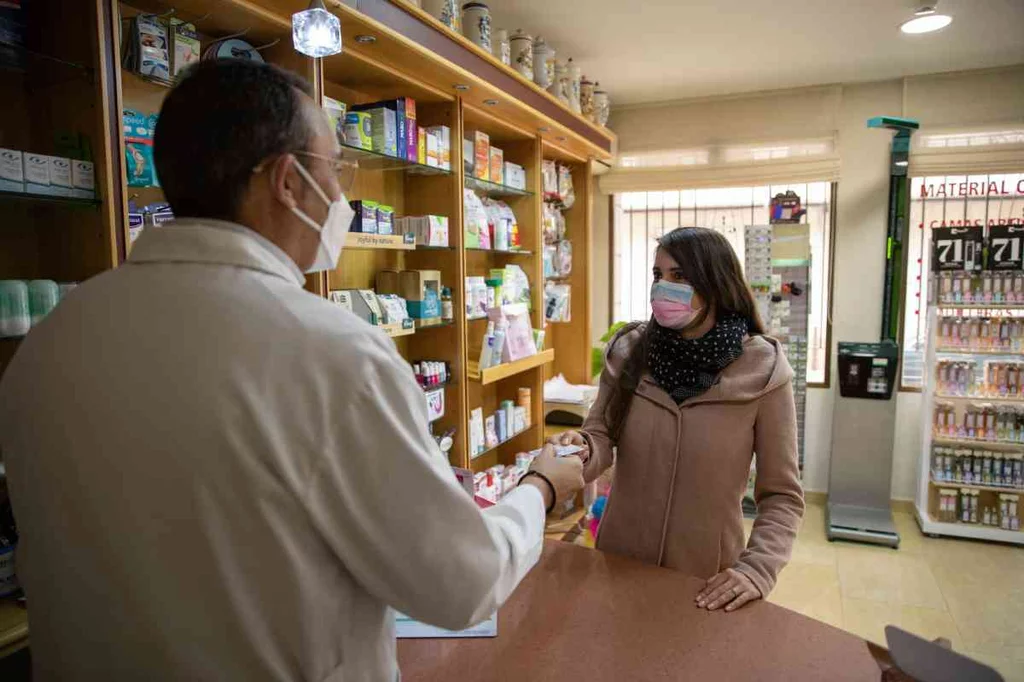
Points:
x=572, y=438
x=730, y=589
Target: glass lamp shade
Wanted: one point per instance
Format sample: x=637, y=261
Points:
x=316, y=32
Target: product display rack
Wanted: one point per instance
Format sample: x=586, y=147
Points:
x=936, y=441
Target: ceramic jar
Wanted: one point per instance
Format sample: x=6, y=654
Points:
x=476, y=24
x=574, y=81
x=587, y=98
x=501, y=47
x=543, y=63
x=522, y=54
x=602, y=106
x=560, y=83
x=447, y=11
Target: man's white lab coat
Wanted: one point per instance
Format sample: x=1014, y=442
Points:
x=220, y=476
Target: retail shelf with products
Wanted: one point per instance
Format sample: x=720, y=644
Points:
x=479, y=457
x=372, y=160
x=942, y=505
x=977, y=486
x=509, y=369
x=495, y=190
x=501, y=252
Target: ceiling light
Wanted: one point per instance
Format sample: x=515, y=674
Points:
x=491, y=102
x=461, y=88
x=365, y=39
x=925, y=21
x=543, y=129
x=315, y=31
x=561, y=139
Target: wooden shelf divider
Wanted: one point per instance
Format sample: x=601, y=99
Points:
x=491, y=375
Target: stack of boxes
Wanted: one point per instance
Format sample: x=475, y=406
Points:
x=486, y=162
x=47, y=175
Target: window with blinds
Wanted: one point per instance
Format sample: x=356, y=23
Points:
x=641, y=217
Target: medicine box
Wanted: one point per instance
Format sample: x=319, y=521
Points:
x=515, y=176
x=385, y=131
x=385, y=219
x=497, y=166
x=387, y=282
x=60, y=175
x=421, y=290
x=365, y=218
x=467, y=157
x=444, y=145
x=481, y=155
x=12, y=170
x=430, y=230
x=37, y=173
x=411, y=131
x=435, y=404
x=83, y=179
x=433, y=148
x=421, y=146
x=336, y=114
x=343, y=299
x=359, y=130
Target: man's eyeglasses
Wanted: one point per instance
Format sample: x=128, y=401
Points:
x=345, y=169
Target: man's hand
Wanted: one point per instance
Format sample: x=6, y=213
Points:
x=557, y=478
x=573, y=438
x=730, y=589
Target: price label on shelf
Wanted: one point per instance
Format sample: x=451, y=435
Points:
x=1005, y=247
x=957, y=248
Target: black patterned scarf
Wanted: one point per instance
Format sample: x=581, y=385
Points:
x=688, y=367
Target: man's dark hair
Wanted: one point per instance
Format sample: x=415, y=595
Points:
x=220, y=122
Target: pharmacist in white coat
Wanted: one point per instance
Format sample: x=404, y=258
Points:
x=220, y=476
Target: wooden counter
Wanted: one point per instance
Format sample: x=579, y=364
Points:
x=589, y=616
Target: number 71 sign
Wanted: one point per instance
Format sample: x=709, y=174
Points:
x=958, y=248
x=1005, y=247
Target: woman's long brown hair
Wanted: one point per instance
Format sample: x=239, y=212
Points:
x=709, y=264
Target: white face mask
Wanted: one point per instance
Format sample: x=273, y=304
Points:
x=334, y=229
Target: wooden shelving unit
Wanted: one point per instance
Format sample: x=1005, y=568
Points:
x=496, y=373
x=71, y=83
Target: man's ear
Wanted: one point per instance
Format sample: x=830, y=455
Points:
x=285, y=180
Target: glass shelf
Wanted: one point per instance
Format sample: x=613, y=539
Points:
x=510, y=252
x=494, y=190
x=370, y=160
x=6, y=195
x=528, y=429
x=436, y=326
x=49, y=68
x=424, y=247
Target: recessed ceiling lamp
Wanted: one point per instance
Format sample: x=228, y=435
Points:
x=315, y=31
x=925, y=21
x=363, y=39
x=491, y=102
x=460, y=87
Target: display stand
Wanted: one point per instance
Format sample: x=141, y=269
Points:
x=777, y=265
x=952, y=498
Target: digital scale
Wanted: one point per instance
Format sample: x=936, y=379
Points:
x=864, y=415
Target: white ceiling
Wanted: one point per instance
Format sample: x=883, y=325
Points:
x=672, y=49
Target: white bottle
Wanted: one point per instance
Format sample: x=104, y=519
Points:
x=485, y=350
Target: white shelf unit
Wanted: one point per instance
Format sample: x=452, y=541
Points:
x=927, y=491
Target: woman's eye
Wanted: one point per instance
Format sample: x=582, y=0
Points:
x=657, y=277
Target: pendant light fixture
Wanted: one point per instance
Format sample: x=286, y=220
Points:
x=315, y=31
x=926, y=20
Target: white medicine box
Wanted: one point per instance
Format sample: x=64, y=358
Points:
x=83, y=179
x=60, y=175
x=37, y=173
x=12, y=171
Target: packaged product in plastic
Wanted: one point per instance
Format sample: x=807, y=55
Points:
x=560, y=228
x=563, y=259
x=550, y=221
x=475, y=223
x=515, y=286
x=514, y=240
x=557, y=298
x=566, y=193
x=549, y=173
x=550, y=251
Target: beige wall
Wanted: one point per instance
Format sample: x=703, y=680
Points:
x=947, y=100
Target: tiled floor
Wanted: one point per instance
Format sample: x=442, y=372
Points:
x=969, y=592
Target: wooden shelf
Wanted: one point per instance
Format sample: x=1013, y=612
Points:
x=1007, y=352
x=509, y=369
x=397, y=330
x=382, y=242
x=974, y=531
x=13, y=626
x=497, y=252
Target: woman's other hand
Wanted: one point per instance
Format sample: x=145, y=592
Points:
x=572, y=438
x=730, y=589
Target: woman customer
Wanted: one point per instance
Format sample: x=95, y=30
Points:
x=686, y=400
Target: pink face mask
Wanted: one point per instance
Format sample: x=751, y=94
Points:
x=671, y=304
